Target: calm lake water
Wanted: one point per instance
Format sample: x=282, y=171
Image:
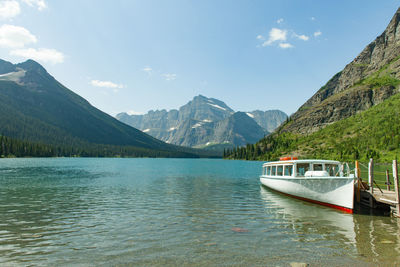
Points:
x=181, y=212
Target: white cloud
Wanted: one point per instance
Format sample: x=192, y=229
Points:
x=132, y=112
x=169, y=76
x=260, y=37
x=285, y=45
x=312, y=18
x=148, y=70
x=279, y=21
x=275, y=35
x=317, y=33
x=15, y=36
x=9, y=9
x=106, y=84
x=39, y=4
x=42, y=54
x=302, y=37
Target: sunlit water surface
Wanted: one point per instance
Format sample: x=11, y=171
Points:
x=181, y=212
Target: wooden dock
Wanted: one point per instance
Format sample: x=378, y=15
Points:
x=371, y=195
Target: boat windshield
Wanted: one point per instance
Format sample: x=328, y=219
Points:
x=317, y=167
x=332, y=169
x=301, y=169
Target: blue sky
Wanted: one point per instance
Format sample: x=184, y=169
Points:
x=141, y=55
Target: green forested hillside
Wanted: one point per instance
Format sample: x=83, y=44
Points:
x=38, y=110
x=10, y=147
x=372, y=133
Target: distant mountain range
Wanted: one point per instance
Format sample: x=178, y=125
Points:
x=35, y=107
x=206, y=123
x=355, y=115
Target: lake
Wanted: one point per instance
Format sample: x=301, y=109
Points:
x=173, y=212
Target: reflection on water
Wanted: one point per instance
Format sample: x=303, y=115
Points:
x=173, y=212
x=313, y=218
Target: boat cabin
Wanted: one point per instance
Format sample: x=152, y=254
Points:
x=303, y=168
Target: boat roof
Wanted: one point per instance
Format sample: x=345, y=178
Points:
x=301, y=161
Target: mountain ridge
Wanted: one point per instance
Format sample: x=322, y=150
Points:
x=205, y=121
x=353, y=116
x=35, y=107
x=367, y=80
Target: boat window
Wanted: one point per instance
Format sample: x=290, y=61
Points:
x=280, y=170
x=317, y=167
x=273, y=173
x=332, y=169
x=288, y=170
x=302, y=168
x=269, y=170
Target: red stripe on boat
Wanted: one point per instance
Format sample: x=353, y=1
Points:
x=347, y=210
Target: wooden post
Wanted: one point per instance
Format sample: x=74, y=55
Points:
x=358, y=193
x=371, y=175
x=387, y=180
x=396, y=187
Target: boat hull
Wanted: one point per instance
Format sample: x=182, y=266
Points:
x=336, y=192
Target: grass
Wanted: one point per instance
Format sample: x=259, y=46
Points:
x=380, y=81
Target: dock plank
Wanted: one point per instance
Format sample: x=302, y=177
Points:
x=386, y=196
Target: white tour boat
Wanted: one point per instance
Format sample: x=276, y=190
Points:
x=319, y=181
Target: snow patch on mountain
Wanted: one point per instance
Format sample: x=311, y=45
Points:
x=13, y=76
x=250, y=115
x=216, y=106
x=199, y=124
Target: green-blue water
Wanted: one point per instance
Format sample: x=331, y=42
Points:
x=180, y=212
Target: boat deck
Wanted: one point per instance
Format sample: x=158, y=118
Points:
x=378, y=199
x=386, y=196
x=372, y=195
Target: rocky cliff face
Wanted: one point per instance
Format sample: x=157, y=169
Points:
x=205, y=122
x=372, y=77
x=238, y=129
x=269, y=120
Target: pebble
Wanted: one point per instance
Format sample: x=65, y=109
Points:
x=299, y=264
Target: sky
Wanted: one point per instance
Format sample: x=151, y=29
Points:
x=135, y=56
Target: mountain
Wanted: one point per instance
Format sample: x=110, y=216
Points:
x=269, y=120
x=353, y=116
x=35, y=107
x=162, y=124
x=238, y=129
x=206, y=123
x=369, y=79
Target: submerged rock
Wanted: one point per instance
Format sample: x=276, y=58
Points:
x=299, y=264
x=239, y=230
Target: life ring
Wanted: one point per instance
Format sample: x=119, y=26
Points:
x=287, y=158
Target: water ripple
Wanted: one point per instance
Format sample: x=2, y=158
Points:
x=170, y=212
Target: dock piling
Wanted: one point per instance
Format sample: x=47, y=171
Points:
x=371, y=179
x=396, y=187
x=357, y=174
